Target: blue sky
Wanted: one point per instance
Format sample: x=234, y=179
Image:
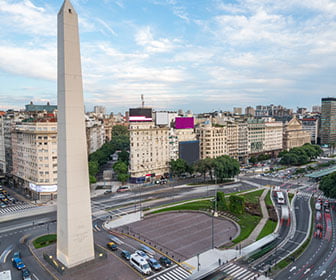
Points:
x=201, y=55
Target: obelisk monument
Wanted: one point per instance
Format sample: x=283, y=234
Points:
x=74, y=223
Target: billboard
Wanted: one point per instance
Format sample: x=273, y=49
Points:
x=161, y=118
x=41, y=188
x=189, y=151
x=183, y=122
x=140, y=114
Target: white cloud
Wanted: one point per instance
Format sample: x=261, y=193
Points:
x=144, y=37
x=29, y=62
x=25, y=17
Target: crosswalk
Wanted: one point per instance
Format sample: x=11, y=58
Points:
x=238, y=272
x=304, y=194
x=15, y=208
x=174, y=273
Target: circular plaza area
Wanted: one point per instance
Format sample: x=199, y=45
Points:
x=185, y=234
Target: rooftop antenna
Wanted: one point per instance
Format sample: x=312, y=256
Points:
x=142, y=101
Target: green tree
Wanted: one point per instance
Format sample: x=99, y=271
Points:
x=92, y=179
x=221, y=202
x=225, y=167
x=204, y=166
x=93, y=168
x=237, y=204
x=178, y=167
x=120, y=167
x=328, y=185
x=123, y=177
x=253, y=160
x=120, y=130
x=123, y=156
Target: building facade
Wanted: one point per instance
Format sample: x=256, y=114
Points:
x=213, y=141
x=328, y=121
x=149, y=151
x=34, y=148
x=311, y=125
x=273, y=137
x=95, y=134
x=294, y=135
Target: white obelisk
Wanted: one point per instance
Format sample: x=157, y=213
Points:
x=74, y=223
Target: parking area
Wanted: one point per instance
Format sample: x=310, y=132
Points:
x=184, y=233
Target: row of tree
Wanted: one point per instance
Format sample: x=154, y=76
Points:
x=300, y=155
x=222, y=167
x=120, y=142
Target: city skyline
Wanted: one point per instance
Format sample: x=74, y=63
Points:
x=197, y=56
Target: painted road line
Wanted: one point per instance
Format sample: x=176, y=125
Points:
x=5, y=254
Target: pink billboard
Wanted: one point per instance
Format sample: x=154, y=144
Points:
x=181, y=123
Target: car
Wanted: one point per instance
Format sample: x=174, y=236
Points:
x=123, y=189
x=3, y=205
x=319, y=226
x=18, y=264
x=26, y=274
x=142, y=254
x=108, y=192
x=16, y=255
x=126, y=255
x=154, y=264
x=112, y=246
x=164, y=261
x=326, y=204
x=318, y=234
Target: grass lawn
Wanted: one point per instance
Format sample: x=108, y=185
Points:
x=253, y=197
x=268, y=200
x=290, y=197
x=247, y=223
x=44, y=241
x=268, y=228
x=197, y=205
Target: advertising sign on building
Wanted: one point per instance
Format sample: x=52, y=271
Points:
x=184, y=122
x=42, y=188
x=161, y=118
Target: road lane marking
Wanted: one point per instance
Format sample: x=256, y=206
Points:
x=308, y=269
x=293, y=268
x=5, y=254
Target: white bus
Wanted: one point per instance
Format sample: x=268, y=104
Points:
x=280, y=198
x=140, y=264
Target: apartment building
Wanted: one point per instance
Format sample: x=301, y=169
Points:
x=243, y=144
x=232, y=139
x=256, y=136
x=273, y=137
x=149, y=150
x=311, y=125
x=213, y=140
x=34, y=153
x=95, y=134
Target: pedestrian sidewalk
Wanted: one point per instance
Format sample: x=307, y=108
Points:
x=255, y=233
x=123, y=220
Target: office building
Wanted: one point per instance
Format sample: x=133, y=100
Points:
x=328, y=121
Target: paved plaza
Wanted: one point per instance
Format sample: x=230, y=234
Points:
x=185, y=233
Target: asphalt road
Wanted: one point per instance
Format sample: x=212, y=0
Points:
x=301, y=208
x=318, y=260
